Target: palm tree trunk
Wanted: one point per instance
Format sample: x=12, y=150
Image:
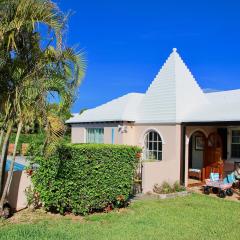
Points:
x=10, y=173
x=1, y=137
x=4, y=161
x=4, y=154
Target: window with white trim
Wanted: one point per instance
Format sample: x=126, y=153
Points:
x=152, y=146
x=235, y=144
x=94, y=135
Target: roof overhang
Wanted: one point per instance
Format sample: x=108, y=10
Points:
x=212, y=123
x=99, y=122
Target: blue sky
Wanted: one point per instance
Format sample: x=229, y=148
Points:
x=126, y=42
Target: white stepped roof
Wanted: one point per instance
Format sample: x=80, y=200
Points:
x=173, y=93
x=214, y=113
x=222, y=106
x=229, y=96
x=174, y=96
x=121, y=109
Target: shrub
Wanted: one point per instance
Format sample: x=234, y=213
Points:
x=32, y=198
x=37, y=138
x=83, y=178
x=178, y=187
x=166, y=188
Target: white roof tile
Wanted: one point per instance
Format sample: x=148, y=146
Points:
x=224, y=96
x=173, y=93
x=121, y=109
x=222, y=106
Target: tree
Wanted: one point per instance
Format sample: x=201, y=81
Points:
x=83, y=110
x=31, y=68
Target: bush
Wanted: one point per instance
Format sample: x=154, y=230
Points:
x=178, y=188
x=166, y=188
x=83, y=178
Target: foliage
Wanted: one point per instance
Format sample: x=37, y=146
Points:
x=28, y=138
x=178, y=187
x=83, y=110
x=34, y=65
x=32, y=198
x=166, y=188
x=35, y=139
x=83, y=178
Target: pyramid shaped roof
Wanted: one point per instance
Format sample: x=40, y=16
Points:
x=174, y=96
x=173, y=93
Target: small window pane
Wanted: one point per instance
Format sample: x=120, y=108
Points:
x=155, y=146
x=150, y=145
x=236, y=150
x=151, y=136
x=235, y=139
x=160, y=146
x=160, y=155
x=236, y=136
x=236, y=133
x=155, y=136
x=155, y=155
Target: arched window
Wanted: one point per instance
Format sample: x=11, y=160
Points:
x=152, y=146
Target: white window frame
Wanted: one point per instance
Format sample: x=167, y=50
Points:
x=94, y=129
x=147, y=151
x=230, y=142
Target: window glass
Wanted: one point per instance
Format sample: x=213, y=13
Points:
x=94, y=135
x=235, y=146
x=152, y=146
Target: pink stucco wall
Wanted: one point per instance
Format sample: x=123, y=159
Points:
x=168, y=169
x=153, y=172
x=78, y=132
x=17, y=197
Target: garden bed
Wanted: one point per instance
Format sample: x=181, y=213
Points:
x=169, y=195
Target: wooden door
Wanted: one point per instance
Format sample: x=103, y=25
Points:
x=213, y=155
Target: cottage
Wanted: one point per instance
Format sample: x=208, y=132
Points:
x=185, y=133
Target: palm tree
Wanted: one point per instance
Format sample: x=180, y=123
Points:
x=30, y=72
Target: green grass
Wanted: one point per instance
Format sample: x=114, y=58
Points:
x=190, y=217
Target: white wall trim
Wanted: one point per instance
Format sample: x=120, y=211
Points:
x=229, y=147
x=142, y=137
x=85, y=135
x=188, y=136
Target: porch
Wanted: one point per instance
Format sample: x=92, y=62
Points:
x=209, y=147
x=196, y=180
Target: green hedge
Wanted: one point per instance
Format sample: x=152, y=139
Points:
x=84, y=178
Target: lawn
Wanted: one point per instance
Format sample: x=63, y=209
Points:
x=191, y=217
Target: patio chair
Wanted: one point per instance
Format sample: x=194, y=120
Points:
x=218, y=186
